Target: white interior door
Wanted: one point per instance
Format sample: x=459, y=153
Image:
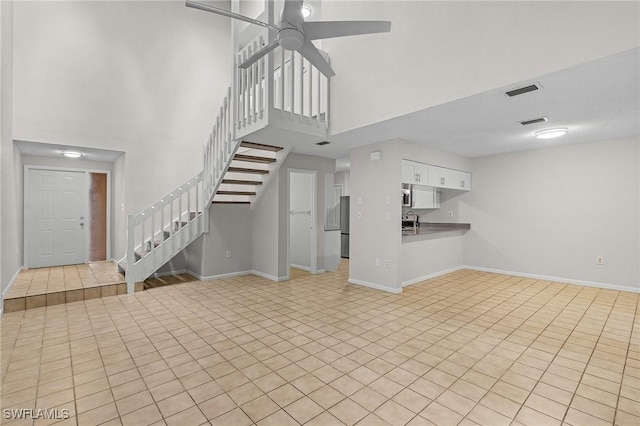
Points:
x=56, y=217
x=301, y=226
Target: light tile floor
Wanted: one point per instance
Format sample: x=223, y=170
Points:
x=35, y=288
x=466, y=348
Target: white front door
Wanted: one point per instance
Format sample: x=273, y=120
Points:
x=56, y=204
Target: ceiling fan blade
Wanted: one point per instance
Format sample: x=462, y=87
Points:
x=313, y=55
x=259, y=54
x=330, y=29
x=218, y=11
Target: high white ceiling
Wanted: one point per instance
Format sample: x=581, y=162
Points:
x=596, y=101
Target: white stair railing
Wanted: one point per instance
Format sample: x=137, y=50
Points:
x=219, y=149
x=283, y=82
x=163, y=229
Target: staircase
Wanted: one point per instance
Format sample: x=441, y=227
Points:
x=249, y=171
x=281, y=90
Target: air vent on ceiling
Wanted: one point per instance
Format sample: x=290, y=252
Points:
x=534, y=121
x=323, y=143
x=522, y=90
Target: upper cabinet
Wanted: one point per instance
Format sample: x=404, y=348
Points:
x=413, y=173
x=416, y=173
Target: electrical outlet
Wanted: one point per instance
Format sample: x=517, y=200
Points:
x=228, y=254
x=450, y=213
x=387, y=215
x=359, y=215
x=599, y=260
x=387, y=264
x=387, y=199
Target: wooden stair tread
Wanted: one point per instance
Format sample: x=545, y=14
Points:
x=231, y=202
x=254, y=145
x=247, y=170
x=241, y=182
x=236, y=193
x=253, y=159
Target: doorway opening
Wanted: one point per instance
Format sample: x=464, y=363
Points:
x=302, y=238
x=97, y=217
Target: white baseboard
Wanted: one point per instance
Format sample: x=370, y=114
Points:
x=8, y=289
x=552, y=278
x=304, y=268
x=375, y=286
x=270, y=277
x=433, y=275
x=220, y=276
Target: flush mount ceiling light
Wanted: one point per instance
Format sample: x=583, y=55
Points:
x=72, y=154
x=551, y=133
x=306, y=11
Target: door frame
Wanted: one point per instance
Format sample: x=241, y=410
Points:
x=314, y=234
x=25, y=216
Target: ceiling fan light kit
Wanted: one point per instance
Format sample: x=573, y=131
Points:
x=294, y=34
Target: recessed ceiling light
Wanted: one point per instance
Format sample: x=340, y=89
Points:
x=72, y=154
x=551, y=133
x=306, y=11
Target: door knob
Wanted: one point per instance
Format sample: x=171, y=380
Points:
x=81, y=223
x=81, y=217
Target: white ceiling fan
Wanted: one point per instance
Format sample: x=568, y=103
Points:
x=296, y=34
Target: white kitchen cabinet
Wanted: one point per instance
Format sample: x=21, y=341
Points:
x=425, y=197
x=414, y=173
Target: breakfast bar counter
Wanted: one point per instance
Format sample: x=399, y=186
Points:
x=429, y=229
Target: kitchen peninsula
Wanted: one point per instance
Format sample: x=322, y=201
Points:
x=428, y=229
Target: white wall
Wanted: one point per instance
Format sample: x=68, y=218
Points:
x=552, y=211
x=344, y=179
x=266, y=233
x=10, y=158
x=146, y=78
x=430, y=257
x=373, y=236
x=439, y=51
x=229, y=229
x=119, y=230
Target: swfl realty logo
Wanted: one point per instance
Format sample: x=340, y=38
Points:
x=34, y=414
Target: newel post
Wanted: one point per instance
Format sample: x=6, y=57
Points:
x=131, y=257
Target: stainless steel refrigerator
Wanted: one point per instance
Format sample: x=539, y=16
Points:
x=344, y=227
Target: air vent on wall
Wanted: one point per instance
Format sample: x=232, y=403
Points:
x=534, y=121
x=522, y=90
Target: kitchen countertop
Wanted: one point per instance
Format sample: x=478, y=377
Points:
x=429, y=228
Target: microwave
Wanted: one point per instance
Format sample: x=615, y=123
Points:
x=406, y=195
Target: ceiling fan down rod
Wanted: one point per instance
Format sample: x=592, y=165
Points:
x=228, y=14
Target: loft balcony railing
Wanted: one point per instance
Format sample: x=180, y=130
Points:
x=281, y=89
